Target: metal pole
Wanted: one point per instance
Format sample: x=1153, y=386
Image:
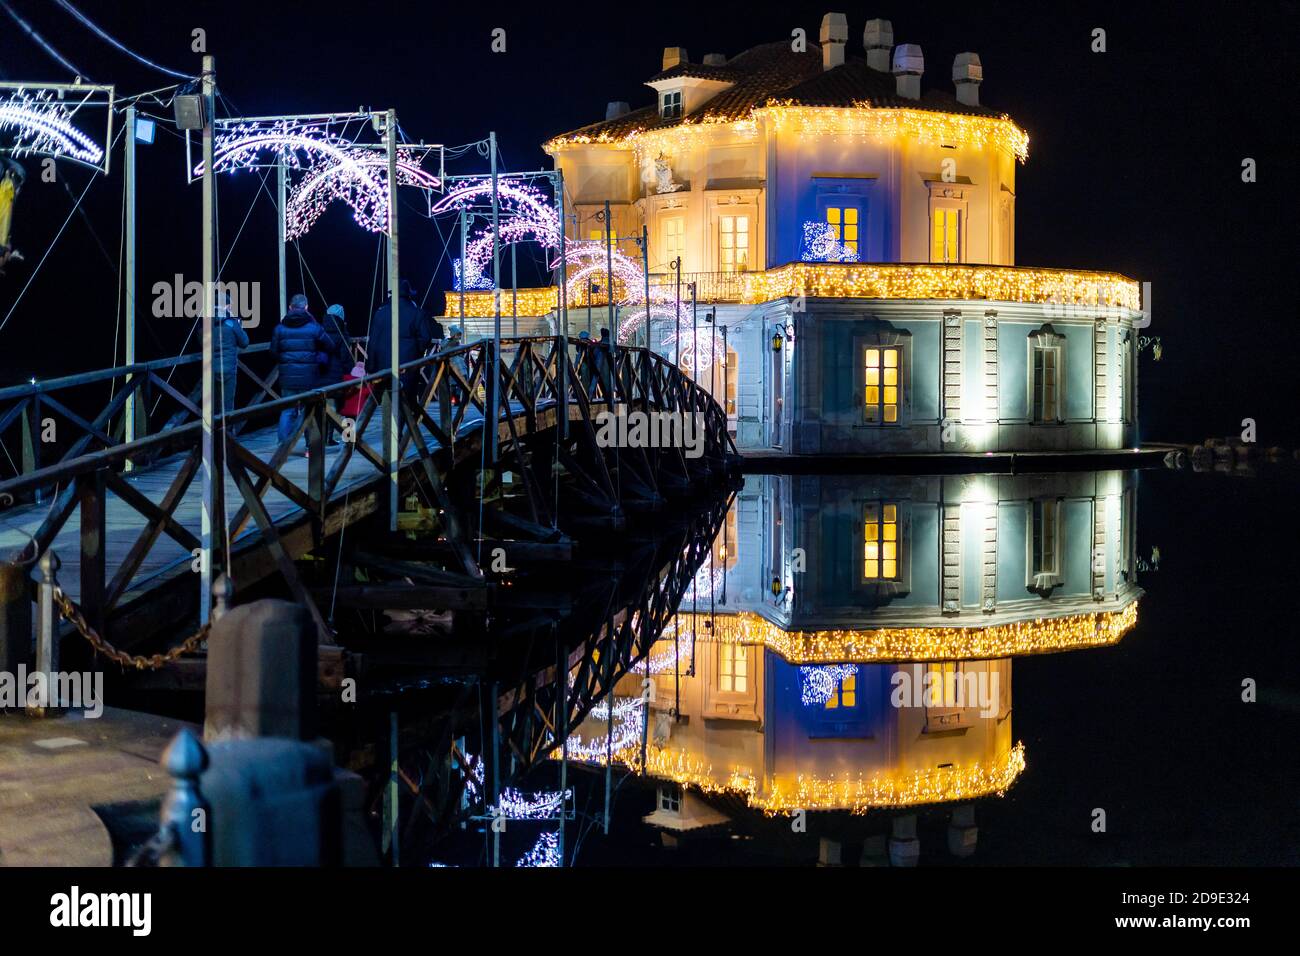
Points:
x=394, y=795
x=645, y=268
x=609, y=732
x=563, y=667
x=394, y=292
x=514, y=293
x=210, y=520
x=281, y=234
x=494, y=399
x=496, y=768
x=609, y=293
x=129, y=255
x=564, y=334
x=677, y=317
x=695, y=335
x=464, y=226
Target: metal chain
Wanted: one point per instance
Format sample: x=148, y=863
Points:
x=73, y=614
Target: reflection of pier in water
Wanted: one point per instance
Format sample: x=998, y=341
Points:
x=859, y=653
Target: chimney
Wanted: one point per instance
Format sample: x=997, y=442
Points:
x=715, y=59
x=835, y=33
x=968, y=74
x=613, y=110
x=674, y=55
x=878, y=38
x=909, y=64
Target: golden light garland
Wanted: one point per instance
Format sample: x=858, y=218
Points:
x=1095, y=290
x=924, y=126
x=858, y=795
x=941, y=281
x=902, y=644
x=480, y=305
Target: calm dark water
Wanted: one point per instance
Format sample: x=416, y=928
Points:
x=1153, y=730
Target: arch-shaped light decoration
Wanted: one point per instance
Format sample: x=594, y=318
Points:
x=338, y=179
x=43, y=125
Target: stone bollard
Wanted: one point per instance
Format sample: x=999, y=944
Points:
x=963, y=834
x=262, y=673
x=15, y=625
x=904, y=847
x=47, y=635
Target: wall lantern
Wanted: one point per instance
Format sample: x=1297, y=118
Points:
x=776, y=587
x=777, y=341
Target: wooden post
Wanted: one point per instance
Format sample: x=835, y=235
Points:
x=15, y=618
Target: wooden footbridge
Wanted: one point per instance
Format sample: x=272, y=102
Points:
x=112, y=527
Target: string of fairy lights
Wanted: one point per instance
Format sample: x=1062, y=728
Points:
x=897, y=644
x=860, y=121
x=41, y=124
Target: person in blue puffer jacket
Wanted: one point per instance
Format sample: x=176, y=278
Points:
x=301, y=351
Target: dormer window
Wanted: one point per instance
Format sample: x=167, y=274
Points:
x=670, y=104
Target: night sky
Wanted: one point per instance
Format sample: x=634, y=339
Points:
x=1135, y=155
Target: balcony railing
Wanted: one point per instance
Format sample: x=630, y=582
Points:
x=1064, y=288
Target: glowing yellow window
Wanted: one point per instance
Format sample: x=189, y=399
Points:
x=845, y=693
x=598, y=235
x=880, y=543
x=733, y=668
x=942, y=677
x=674, y=238
x=843, y=221
x=882, y=370
x=945, y=244
x=733, y=243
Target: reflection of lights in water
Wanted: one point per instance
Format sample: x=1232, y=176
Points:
x=514, y=804
x=546, y=852
x=819, y=681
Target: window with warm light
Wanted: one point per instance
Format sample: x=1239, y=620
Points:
x=880, y=543
x=881, y=384
x=670, y=104
x=844, y=694
x=674, y=230
x=943, y=677
x=733, y=243
x=945, y=244
x=1047, y=368
x=598, y=235
x=670, y=798
x=733, y=669
x=843, y=221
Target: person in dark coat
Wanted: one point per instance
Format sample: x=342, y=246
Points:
x=414, y=332
x=228, y=340
x=338, y=346
x=298, y=344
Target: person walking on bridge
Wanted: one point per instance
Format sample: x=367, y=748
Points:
x=229, y=339
x=300, y=349
x=414, y=335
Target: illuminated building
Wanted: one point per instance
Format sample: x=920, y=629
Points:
x=855, y=235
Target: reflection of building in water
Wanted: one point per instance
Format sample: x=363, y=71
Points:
x=845, y=568
x=859, y=653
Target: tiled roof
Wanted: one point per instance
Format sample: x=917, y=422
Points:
x=773, y=73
